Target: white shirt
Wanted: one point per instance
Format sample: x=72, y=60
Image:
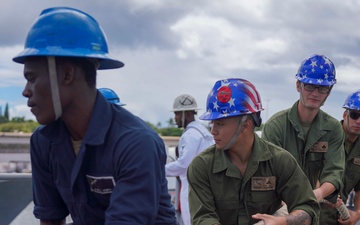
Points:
x=195, y=139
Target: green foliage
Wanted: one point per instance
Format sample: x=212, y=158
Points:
x=171, y=130
x=171, y=122
x=16, y=124
x=26, y=127
x=6, y=113
x=158, y=125
x=4, y=117
x=153, y=127
x=18, y=119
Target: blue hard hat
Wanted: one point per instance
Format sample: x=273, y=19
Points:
x=232, y=97
x=352, y=102
x=68, y=32
x=111, y=96
x=317, y=69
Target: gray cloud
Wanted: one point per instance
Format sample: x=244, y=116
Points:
x=175, y=47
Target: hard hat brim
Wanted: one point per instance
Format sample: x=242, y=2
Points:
x=185, y=109
x=106, y=61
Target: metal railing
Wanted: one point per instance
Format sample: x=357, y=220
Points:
x=169, y=142
x=15, y=176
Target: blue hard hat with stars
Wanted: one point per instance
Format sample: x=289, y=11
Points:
x=352, y=102
x=232, y=97
x=317, y=70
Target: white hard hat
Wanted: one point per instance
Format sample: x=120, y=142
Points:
x=184, y=102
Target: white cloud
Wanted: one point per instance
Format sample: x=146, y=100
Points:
x=348, y=78
x=218, y=41
x=21, y=111
x=254, y=7
x=172, y=48
x=145, y=4
x=10, y=72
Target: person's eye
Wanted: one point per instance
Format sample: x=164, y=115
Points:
x=30, y=79
x=323, y=88
x=217, y=124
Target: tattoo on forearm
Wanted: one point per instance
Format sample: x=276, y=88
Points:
x=300, y=218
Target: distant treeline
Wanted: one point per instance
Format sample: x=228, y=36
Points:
x=4, y=117
x=20, y=124
x=15, y=124
x=169, y=130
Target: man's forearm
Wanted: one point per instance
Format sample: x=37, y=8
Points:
x=298, y=217
x=357, y=203
x=324, y=190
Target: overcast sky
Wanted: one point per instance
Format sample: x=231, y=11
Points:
x=175, y=47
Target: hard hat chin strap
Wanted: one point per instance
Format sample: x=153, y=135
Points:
x=236, y=134
x=347, y=121
x=183, y=119
x=54, y=87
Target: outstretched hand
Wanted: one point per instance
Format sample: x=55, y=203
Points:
x=269, y=219
x=352, y=220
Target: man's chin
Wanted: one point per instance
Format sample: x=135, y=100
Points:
x=43, y=121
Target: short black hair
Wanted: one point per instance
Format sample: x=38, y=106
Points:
x=86, y=65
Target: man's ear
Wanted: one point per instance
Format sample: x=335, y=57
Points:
x=189, y=113
x=248, y=124
x=298, y=88
x=67, y=73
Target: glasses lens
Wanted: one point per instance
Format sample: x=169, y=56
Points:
x=309, y=87
x=321, y=89
x=354, y=115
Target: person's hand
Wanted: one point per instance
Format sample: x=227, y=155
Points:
x=328, y=204
x=352, y=220
x=340, y=207
x=269, y=219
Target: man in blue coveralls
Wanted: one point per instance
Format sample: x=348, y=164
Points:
x=92, y=159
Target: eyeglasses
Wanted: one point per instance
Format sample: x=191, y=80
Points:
x=354, y=115
x=312, y=87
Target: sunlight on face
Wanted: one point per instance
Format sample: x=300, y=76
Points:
x=352, y=119
x=223, y=130
x=37, y=89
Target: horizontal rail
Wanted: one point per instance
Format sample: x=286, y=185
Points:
x=15, y=176
x=15, y=134
x=169, y=141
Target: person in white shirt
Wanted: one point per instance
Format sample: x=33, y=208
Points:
x=195, y=138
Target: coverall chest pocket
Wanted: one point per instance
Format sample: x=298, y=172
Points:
x=315, y=162
x=352, y=171
x=228, y=211
x=261, y=202
x=316, y=152
x=315, y=156
x=101, y=188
